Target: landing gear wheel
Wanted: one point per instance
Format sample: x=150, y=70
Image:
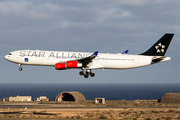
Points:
x=81, y=73
x=20, y=69
x=86, y=76
x=92, y=74
x=87, y=73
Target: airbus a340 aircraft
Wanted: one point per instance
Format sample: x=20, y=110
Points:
x=87, y=61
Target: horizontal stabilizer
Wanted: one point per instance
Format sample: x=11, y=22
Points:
x=160, y=59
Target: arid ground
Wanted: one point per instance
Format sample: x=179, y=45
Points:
x=116, y=109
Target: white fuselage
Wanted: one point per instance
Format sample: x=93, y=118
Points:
x=102, y=61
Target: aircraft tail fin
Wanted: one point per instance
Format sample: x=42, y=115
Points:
x=160, y=47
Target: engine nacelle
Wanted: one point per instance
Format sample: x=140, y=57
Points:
x=73, y=64
x=68, y=65
x=60, y=66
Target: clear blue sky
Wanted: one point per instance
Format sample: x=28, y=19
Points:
x=87, y=26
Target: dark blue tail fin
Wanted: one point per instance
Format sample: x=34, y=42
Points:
x=160, y=47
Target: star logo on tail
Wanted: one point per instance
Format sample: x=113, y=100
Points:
x=160, y=48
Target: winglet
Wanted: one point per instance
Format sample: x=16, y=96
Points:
x=95, y=53
x=125, y=52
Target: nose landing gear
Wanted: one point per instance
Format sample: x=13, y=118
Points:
x=87, y=73
x=20, y=67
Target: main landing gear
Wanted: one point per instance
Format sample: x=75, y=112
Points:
x=20, y=67
x=87, y=73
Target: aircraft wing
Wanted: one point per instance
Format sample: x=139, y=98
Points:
x=85, y=61
x=89, y=59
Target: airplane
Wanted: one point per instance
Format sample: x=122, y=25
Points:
x=87, y=62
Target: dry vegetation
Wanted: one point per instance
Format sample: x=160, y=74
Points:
x=116, y=109
x=118, y=113
x=115, y=103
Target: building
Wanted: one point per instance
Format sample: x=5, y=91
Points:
x=36, y=99
x=41, y=98
x=3, y=99
x=18, y=98
x=100, y=100
x=171, y=98
x=70, y=96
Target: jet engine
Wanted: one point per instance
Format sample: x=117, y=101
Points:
x=60, y=66
x=73, y=64
x=68, y=64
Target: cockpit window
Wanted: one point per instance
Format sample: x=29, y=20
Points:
x=10, y=53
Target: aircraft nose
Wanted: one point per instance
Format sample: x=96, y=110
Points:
x=6, y=57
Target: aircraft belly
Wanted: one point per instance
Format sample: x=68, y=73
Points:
x=123, y=64
x=118, y=65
